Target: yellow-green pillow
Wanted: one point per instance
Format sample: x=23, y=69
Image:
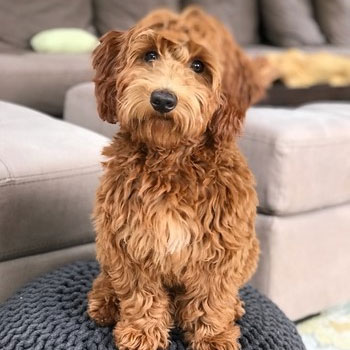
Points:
x=64, y=40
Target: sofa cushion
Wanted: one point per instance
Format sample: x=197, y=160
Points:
x=9, y=49
x=80, y=108
x=239, y=16
x=290, y=23
x=300, y=157
x=17, y=272
x=48, y=175
x=121, y=15
x=334, y=19
x=40, y=80
x=304, y=259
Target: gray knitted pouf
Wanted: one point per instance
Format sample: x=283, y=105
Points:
x=50, y=313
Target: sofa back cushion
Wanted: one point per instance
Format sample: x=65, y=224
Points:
x=290, y=22
x=334, y=20
x=239, y=16
x=122, y=14
x=21, y=19
x=8, y=48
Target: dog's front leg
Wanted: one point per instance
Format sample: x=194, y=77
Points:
x=102, y=301
x=207, y=309
x=144, y=308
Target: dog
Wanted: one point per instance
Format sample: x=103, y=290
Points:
x=176, y=205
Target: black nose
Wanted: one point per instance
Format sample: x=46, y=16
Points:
x=163, y=101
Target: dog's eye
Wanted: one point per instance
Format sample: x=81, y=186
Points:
x=197, y=66
x=151, y=56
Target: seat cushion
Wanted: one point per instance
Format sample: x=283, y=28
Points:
x=300, y=157
x=39, y=80
x=50, y=313
x=304, y=259
x=80, y=108
x=48, y=175
x=15, y=273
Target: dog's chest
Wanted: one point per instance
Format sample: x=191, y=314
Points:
x=167, y=214
x=174, y=225
x=162, y=208
x=177, y=232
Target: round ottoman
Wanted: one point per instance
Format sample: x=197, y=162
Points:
x=50, y=313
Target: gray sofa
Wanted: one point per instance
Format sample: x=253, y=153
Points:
x=40, y=80
x=49, y=170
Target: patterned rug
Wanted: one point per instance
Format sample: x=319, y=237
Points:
x=328, y=331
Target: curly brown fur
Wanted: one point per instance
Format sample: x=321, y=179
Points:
x=175, y=209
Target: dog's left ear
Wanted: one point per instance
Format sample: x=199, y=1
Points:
x=245, y=83
x=107, y=57
x=241, y=86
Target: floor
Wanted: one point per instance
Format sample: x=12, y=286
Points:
x=328, y=331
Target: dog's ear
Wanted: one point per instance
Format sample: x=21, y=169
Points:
x=241, y=86
x=244, y=82
x=107, y=57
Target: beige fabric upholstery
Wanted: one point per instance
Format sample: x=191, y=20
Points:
x=40, y=81
x=21, y=19
x=305, y=260
x=300, y=157
x=290, y=23
x=80, y=109
x=121, y=15
x=49, y=171
x=239, y=16
x=9, y=49
x=17, y=272
x=334, y=19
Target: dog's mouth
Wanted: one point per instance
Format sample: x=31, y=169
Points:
x=163, y=117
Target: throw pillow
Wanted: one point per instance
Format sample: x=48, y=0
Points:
x=64, y=40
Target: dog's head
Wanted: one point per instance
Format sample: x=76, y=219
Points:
x=174, y=78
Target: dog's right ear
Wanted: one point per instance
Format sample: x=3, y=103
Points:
x=107, y=57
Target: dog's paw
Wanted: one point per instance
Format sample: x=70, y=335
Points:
x=227, y=340
x=129, y=336
x=104, y=316
x=103, y=312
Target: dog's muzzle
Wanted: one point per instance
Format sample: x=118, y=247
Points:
x=163, y=101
